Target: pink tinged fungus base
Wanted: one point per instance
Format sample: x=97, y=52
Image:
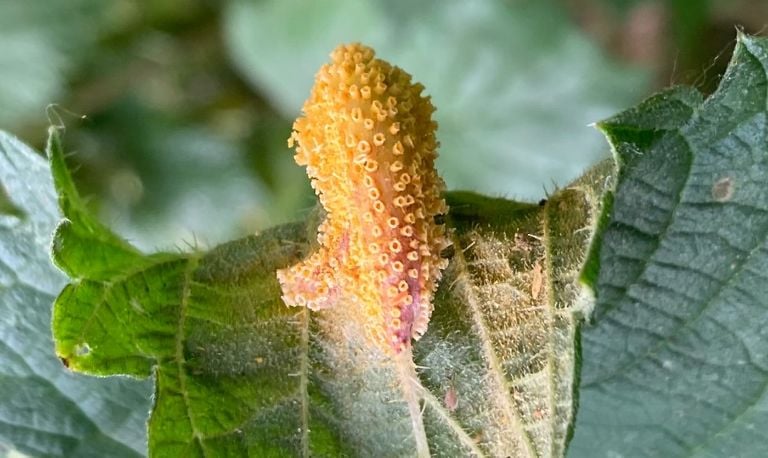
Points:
x=367, y=139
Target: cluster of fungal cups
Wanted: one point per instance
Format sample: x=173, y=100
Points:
x=367, y=139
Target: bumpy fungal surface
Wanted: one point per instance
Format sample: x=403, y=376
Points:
x=368, y=141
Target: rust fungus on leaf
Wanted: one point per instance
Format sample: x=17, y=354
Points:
x=368, y=141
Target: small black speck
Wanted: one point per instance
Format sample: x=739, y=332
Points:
x=440, y=219
x=448, y=252
x=542, y=202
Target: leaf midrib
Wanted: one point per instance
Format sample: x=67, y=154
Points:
x=549, y=285
x=180, y=360
x=490, y=356
x=303, y=382
x=464, y=438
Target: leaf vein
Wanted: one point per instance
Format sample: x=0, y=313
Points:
x=491, y=358
x=180, y=360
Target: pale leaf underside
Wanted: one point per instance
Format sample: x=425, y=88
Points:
x=240, y=374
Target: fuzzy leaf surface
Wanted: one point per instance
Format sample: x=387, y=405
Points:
x=238, y=373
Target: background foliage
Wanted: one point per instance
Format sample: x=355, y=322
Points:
x=203, y=92
x=189, y=103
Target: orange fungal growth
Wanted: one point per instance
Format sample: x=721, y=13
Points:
x=368, y=141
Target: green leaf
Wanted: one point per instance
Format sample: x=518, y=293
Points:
x=504, y=76
x=676, y=363
x=240, y=374
x=46, y=410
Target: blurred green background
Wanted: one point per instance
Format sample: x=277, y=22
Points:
x=177, y=111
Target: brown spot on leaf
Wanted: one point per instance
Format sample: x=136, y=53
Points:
x=64, y=361
x=722, y=190
x=448, y=252
x=451, y=399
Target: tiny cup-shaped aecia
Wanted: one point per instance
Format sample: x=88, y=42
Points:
x=367, y=139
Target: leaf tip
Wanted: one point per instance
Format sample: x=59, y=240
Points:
x=57, y=248
x=585, y=301
x=62, y=180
